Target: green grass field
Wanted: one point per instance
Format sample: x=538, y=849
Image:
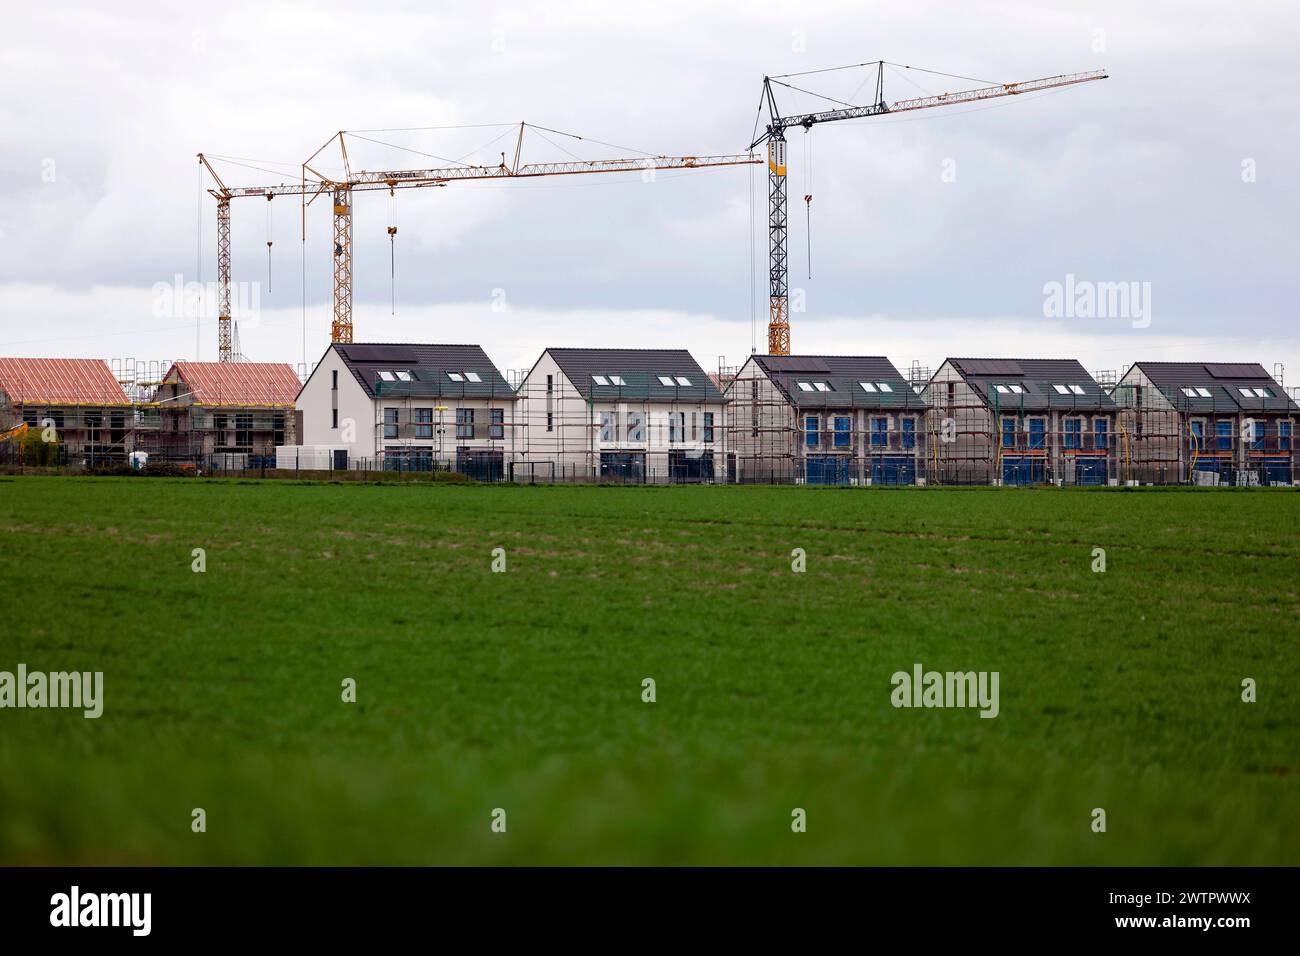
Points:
x=478, y=690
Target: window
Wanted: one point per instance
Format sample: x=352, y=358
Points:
x=600, y=380
x=1073, y=429
x=464, y=423
x=617, y=380
x=1010, y=389
x=810, y=431
x=1203, y=392
x=1189, y=392
x=1100, y=433
x=334, y=423
x=1283, y=436
x=805, y=386
x=497, y=426
x=1061, y=389
x=456, y=376
x=695, y=426
x=676, y=427
x=1256, y=392
x=473, y=377
x=94, y=421
x=684, y=381
x=334, y=378
x=822, y=386
x=1198, y=435
x=1223, y=435
x=879, y=432
x=1258, y=430
x=244, y=430
x=884, y=386
x=550, y=398
x=708, y=427
x=403, y=376
x=666, y=380
x=219, y=424
x=608, y=426
x=1076, y=389
x=390, y=423
x=424, y=423
x=636, y=426
x=841, y=431
x=386, y=376
x=909, y=433
x=1037, y=432
x=1008, y=433
x=867, y=387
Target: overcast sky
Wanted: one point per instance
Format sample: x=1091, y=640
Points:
x=932, y=233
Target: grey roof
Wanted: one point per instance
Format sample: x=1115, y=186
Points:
x=429, y=366
x=1223, y=380
x=640, y=370
x=844, y=375
x=1036, y=377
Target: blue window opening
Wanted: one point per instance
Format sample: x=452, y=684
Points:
x=1223, y=435
x=1257, y=442
x=841, y=433
x=909, y=433
x=1100, y=432
x=1037, y=432
x=879, y=432
x=1283, y=436
x=810, y=432
x=1198, y=435
x=1073, y=428
x=1008, y=433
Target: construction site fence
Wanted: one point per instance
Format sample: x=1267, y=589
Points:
x=627, y=470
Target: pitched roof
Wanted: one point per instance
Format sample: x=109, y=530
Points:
x=1037, y=380
x=430, y=368
x=254, y=384
x=640, y=370
x=40, y=381
x=1223, y=381
x=843, y=377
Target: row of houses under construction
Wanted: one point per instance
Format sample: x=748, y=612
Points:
x=654, y=415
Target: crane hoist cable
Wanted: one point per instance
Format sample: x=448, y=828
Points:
x=392, y=251
x=269, y=231
x=807, y=198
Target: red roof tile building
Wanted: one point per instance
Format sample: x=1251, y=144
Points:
x=236, y=411
x=79, y=399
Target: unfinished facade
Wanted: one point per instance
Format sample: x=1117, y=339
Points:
x=631, y=415
x=825, y=419
x=1207, y=422
x=91, y=418
x=232, y=414
x=1021, y=421
x=410, y=407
